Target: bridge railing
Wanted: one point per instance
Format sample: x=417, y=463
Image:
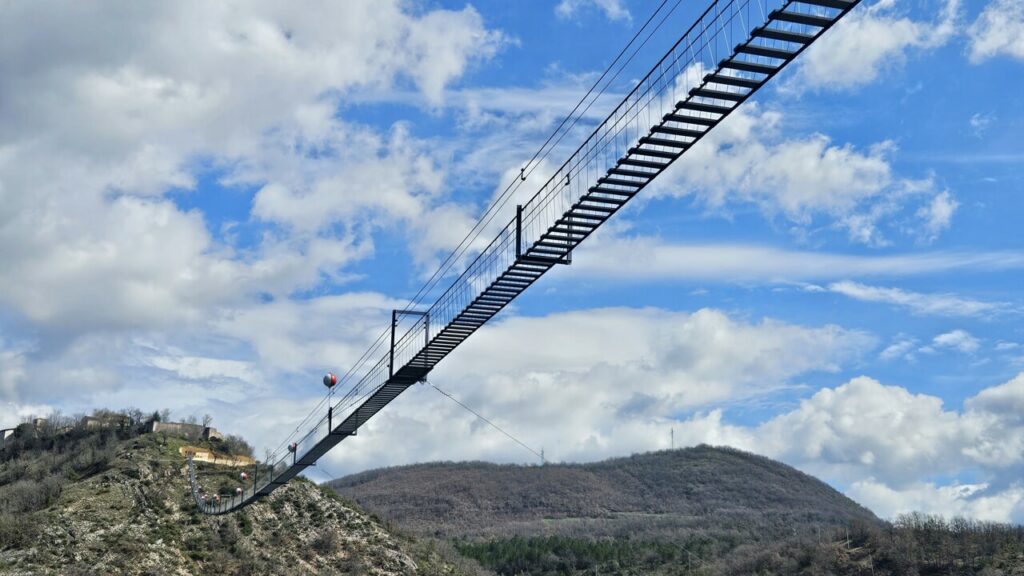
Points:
x=712, y=38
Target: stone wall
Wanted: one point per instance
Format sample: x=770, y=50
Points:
x=187, y=430
x=93, y=423
x=177, y=428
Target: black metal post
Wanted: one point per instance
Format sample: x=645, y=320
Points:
x=394, y=325
x=568, y=252
x=519, y=230
x=391, y=362
x=426, y=340
x=330, y=413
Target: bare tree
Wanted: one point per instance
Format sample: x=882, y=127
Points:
x=135, y=415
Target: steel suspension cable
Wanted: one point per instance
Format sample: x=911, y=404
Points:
x=495, y=426
x=493, y=209
x=488, y=216
x=513, y=186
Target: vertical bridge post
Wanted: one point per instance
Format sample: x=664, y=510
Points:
x=391, y=356
x=519, y=230
x=426, y=339
x=394, y=326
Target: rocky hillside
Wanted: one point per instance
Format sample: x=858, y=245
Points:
x=659, y=493
x=104, y=503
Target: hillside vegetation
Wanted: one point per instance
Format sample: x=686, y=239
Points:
x=700, y=510
x=697, y=490
x=113, y=499
x=117, y=501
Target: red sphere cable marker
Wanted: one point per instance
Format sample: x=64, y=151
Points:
x=330, y=380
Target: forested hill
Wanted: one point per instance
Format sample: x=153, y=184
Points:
x=710, y=490
x=701, y=511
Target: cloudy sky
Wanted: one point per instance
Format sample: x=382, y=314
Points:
x=204, y=206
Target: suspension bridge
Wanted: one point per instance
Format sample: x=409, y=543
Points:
x=732, y=49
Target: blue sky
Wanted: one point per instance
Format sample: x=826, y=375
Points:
x=207, y=217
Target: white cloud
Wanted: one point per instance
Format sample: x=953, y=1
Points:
x=868, y=41
x=646, y=258
x=13, y=373
x=899, y=349
x=135, y=98
x=865, y=426
x=622, y=373
x=980, y=122
x=747, y=160
x=612, y=9
x=329, y=332
x=368, y=179
x=957, y=340
x=108, y=257
x=199, y=368
x=880, y=441
x=931, y=304
x=937, y=215
x=999, y=30
x=1006, y=399
x=13, y=414
x=964, y=500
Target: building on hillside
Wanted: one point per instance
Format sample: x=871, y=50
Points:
x=204, y=455
x=31, y=428
x=106, y=421
x=179, y=428
x=186, y=430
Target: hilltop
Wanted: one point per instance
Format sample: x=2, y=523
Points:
x=701, y=488
x=117, y=501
